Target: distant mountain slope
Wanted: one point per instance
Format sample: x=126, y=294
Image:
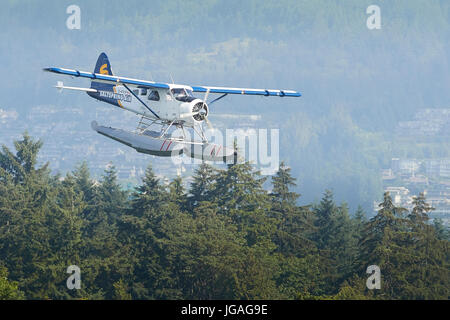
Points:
x=357, y=83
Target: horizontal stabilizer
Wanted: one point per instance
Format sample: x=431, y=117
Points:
x=60, y=86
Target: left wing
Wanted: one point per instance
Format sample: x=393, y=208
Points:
x=108, y=79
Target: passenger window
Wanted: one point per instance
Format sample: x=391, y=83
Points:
x=154, y=96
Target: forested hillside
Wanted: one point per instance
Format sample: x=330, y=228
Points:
x=356, y=83
x=224, y=237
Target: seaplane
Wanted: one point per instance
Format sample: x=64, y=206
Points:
x=162, y=109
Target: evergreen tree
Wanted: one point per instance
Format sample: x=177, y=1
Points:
x=84, y=182
x=238, y=192
x=26, y=202
x=139, y=230
x=389, y=218
x=204, y=253
x=65, y=225
x=282, y=181
x=442, y=232
x=201, y=186
x=111, y=194
x=177, y=194
x=9, y=290
x=149, y=196
x=103, y=254
x=419, y=214
x=428, y=273
x=121, y=291
x=22, y=165
x=295, y=225
x=240, y=187
x=336, y=241
x=325, y=213
x=359, y=221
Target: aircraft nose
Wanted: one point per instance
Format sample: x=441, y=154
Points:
x=200, y=111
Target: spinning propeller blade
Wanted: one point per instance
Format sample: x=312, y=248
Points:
x=210, y=126
x=206, y=95
x=205, y=99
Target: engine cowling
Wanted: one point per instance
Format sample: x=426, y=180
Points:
x=194, y=112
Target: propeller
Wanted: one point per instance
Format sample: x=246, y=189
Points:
x=210, y=126
x=205, y=117
x=201, y=111
x=206, y=95
x=199, y=107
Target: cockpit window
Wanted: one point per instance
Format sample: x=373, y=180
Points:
x=178, y=93
x=182, y=94
x=154, y=96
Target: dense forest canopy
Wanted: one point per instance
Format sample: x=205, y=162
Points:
x=356, y=83
x=223, y=237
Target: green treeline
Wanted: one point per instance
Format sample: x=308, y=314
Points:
x=226, y=237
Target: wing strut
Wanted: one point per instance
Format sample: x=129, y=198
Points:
x=149, y=109
x=222, y=96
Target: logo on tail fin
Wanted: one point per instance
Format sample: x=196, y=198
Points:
x=103, y=69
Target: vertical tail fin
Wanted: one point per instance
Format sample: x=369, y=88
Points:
x=103, y=66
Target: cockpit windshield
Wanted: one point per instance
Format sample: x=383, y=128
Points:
x=182, y=94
